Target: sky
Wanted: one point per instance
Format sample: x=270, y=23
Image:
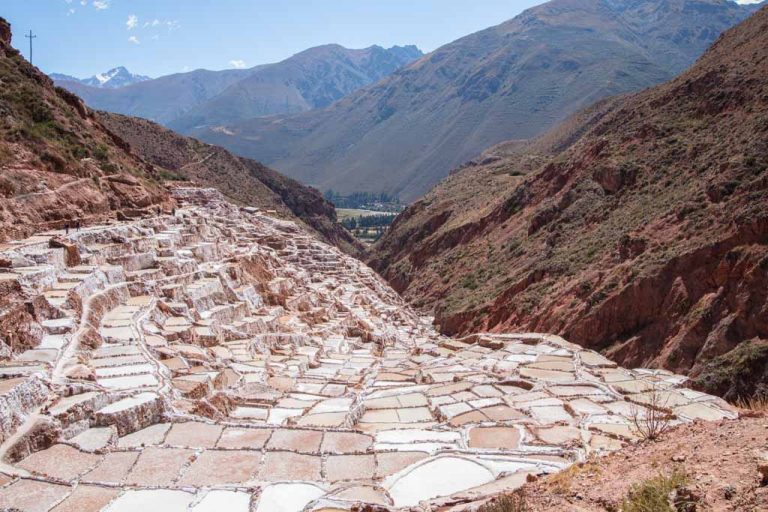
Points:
x=160, y=37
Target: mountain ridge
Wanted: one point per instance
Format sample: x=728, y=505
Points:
x=404, y=133
x=310, y=79
x=113, y=79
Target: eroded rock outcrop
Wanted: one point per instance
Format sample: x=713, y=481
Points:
x=5, y=33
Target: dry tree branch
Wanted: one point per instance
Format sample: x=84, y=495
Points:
x=652, y=421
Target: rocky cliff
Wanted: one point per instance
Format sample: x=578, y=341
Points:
x=638, y=228
x=58, y=163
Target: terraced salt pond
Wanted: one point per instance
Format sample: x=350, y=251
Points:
x=225, y=360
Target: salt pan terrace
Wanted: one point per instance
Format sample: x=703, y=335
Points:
x=225, y=360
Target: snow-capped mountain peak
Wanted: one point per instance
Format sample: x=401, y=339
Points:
x=112, y=79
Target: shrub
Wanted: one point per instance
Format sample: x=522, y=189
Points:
x=507, y=503
x=653, y=495
x=101, y=152
x=109, y=168
x=40, y=112
x=168, y=175
x=653, y=421
x=469, y=283
x=562, y=481
x=79, y=152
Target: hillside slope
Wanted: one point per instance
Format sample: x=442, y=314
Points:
x=638, y=228
x=311, y=79
x=246, y=182
x=723, y=462
x=58, y=163
x=512, y=81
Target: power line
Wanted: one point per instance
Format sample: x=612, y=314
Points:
x=30, y=37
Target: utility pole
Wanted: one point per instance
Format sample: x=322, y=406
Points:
x=30, y=37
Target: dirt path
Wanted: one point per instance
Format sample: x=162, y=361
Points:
x=199, y=162
x=54, y=191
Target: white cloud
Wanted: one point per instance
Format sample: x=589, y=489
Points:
x=134, y=40
x=101, y=4
x=83, y=2
x=237, y=63
x=748, y=1
x=172, y=25
x=70, y=12
x=155, y=22
x=133, y=20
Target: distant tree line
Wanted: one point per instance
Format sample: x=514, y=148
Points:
x=361, y=200
x=368, y=221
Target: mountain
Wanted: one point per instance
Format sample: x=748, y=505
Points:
x=313, y=78
x=639, y=227
x=243, y=181
x=112, y=79
x=512, y=81
x=161, y=99
x=57, y=162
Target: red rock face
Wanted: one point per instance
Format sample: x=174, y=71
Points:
x=19, y=329
x=5, y=32
x=637, y=228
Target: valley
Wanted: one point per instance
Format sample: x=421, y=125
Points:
x=526, y=271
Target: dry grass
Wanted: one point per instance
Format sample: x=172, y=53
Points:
x=653, y=495
x=561, y=482
x=514, y=502
x=754, y=405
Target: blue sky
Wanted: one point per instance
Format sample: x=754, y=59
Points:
x=158, y=37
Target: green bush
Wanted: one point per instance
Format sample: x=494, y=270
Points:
x=101, y=152
x=739, y=374
x=167, y=175
x=652, y=495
